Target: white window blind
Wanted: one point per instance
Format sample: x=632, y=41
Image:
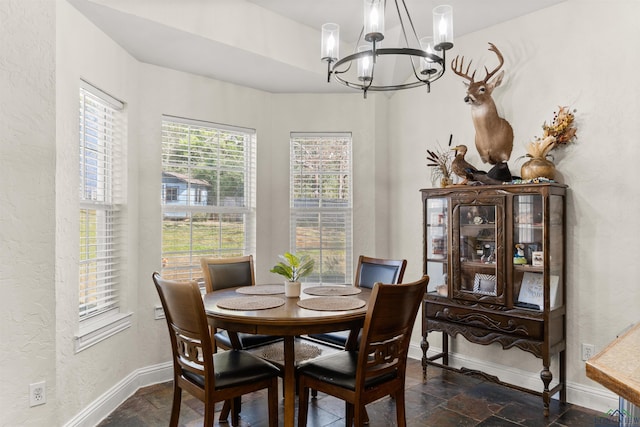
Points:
x=321, y=203
x=101, y=197
x=208, y=194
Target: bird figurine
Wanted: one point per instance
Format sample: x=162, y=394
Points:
x=460, y=166
x=467, y=171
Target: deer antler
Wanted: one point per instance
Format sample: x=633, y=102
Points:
x=458, y=70
x=494, y=49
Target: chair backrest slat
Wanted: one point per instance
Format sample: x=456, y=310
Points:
x=387, y=328
x=188, y=329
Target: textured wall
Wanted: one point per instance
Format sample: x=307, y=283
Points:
x=37, y=171
x=84, y=52
x=27, y=215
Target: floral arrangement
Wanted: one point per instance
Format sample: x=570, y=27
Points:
x=440, y=160
x=559, y=133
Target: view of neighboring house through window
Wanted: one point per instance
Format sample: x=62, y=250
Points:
x=321, y=203
x=208, y=194
x=101, y=202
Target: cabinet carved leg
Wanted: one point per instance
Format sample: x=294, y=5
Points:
x=424, y=344
x=546, y=376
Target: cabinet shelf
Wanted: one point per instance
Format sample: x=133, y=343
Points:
x=527, y=267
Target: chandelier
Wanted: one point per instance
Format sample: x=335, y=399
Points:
x=357, y=69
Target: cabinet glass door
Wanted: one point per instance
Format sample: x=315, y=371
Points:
x=436, y=238
x=478, y=273
x=533, y=248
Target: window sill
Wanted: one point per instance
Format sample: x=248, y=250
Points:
x=93, y=331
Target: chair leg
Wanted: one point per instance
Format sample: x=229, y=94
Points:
x=314, y=392
x=348, y=414
x=224, y=413
x=209, y=414
x=175, y=407
x=400, y=409
x=273, y=403
x=303, y=404
x=235, y=412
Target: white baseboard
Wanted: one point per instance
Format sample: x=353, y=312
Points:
x=100, y=408
x=594, y=398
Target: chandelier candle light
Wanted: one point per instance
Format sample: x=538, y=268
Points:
x=422, y=53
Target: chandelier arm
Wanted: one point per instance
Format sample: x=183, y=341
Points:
x=413, y=28
x=404, y=31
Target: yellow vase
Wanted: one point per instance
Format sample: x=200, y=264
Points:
x=538, y=167
x=445, y=182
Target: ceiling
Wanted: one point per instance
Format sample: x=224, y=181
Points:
x=152, y=40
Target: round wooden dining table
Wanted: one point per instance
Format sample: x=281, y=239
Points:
x=287, y=320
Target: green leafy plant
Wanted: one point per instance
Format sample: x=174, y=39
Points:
x=293, y=267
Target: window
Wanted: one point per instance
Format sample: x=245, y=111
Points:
x=170, y=194
x=101, y=195
x=208, y=194
x=321, y=203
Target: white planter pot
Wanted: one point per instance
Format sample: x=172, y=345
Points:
x=292, y=289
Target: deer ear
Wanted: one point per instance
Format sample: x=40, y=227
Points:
x=465, y=83
x=496, y=81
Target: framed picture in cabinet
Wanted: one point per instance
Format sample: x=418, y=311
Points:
x=537, y=258
x=532, y=289
x=485, y=284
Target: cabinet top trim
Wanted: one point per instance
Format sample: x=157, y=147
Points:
x=550, y=188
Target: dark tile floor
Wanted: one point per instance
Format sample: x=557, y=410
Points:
x=447, y=398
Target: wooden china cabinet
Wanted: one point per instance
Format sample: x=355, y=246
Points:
x=495, y=257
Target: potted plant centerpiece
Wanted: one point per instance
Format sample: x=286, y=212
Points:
x=293, y=268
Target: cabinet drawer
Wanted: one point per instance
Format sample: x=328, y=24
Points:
x=493, y=321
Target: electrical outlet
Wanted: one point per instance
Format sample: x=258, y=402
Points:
x=158, y=312
x=588, y=351
x=37, y=394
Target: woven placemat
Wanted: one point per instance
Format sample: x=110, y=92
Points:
x=333, y=290
x=250, y=303
x=331, y=303
x=275, y=352
x=261, y=290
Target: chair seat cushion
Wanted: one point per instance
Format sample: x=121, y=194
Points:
x=246, y=340
x=234, y=368
x=339, y=369
x=338, y=338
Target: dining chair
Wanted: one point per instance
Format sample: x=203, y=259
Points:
x=368, y=272
x=208, y=376
x=378, y=367
x=221, y=273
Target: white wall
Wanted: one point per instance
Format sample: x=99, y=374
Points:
x=27, y=214
x=83, y=52
x=583, y=54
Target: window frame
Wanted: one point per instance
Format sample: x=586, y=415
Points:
x=195, y=204
x=323, y=210
x=102, y=166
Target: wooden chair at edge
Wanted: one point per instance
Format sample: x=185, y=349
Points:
x=221, y=273
x=210, y=377
x=378, y=367
x=368, y=272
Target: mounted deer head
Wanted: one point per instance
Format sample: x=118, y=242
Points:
x=494, y=135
